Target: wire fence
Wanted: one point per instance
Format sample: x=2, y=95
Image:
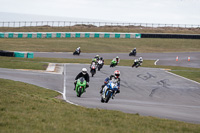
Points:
x=91, y=24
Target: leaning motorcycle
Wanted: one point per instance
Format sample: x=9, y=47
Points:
x=93, y=69
x=113, y=63
x=132, y=53
x=80, y=86
x=99, y=64
x=136, y=64
x=76, y=52
x=109, y=91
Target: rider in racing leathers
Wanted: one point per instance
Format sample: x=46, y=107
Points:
x=78, y=50
x=117, y=59
x=138, y=62
x=116, y=77
x=83, y=74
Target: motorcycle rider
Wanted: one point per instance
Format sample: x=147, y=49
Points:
x=97, y=57
x=78, y=50
x=138, y=61
x=101, y=58
x=84, y=74
x=116, y=77
x=134, y=50
x=116, y=59
x=94, y=60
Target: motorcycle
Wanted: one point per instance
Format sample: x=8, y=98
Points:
x=132, y=53
x=136, y=64
x=113, y=63
x=80, y=86
x=99, y=64
x=76, y=52
x=109, y=91
x=93, y=69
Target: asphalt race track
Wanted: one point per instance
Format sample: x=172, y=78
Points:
x=147, y=91
x=166, y=59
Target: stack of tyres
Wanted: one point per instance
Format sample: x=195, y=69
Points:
x=6, y=53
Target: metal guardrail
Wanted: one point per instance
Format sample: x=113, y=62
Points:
x=91, y=24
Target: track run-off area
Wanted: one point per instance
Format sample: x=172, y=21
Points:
x=146, y=91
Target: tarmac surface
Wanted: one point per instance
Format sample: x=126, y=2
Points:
x=147, y=91
x=166, y=59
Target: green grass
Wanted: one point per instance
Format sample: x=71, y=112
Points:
x=21, y=63
x=28, y=108
x=100, y=45
x=39, y=64
x=89, y=28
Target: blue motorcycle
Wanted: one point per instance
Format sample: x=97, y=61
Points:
x=109, y=91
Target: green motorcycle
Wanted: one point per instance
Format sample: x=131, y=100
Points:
x=80, y=86
x=113, y=63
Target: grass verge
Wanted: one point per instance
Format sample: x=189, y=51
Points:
x=39, y=64
x=28, y=108
x=100, y=45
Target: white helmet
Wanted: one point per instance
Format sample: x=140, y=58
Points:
x=140, y=59
x=84, y=71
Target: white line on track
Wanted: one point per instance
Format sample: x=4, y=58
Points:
x=156, y=62
x=64, y=88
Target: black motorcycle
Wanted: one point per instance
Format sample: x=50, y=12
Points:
x=76, y=53
x=136, y=64
x=132, y=53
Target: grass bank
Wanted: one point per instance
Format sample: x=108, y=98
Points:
x=41, y=64
x=28, y=108
x=108, y=28
x=100, y=45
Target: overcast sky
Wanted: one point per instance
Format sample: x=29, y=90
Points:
x=139, y=11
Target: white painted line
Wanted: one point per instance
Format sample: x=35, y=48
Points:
x=64, y=88
x=156, y=62
x=183, y=77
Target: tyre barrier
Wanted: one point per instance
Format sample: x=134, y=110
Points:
x=17, y=54
x=177, y=36
x=68, y=35
x=6, y=53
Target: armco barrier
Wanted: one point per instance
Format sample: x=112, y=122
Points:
x=68, y=35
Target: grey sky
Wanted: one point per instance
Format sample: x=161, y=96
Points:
x=141, y=11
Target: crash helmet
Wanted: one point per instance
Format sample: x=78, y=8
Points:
x=101, y=58
x=140, y=59
x=84, y=71
x=117, y=73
